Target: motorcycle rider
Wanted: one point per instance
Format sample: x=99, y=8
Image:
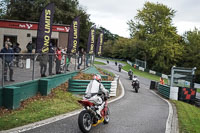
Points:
x=136, y=79
x=120, y=67
x=130, y=72
x=93, y=89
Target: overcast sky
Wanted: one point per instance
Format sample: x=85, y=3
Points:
x=114, y=14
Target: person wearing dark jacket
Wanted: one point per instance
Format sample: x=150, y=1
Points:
x=51, y=58
x=17, y=49
x=43, y=64
x=8, y=62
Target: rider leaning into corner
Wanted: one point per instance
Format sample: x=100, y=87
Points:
x=94, y=88
x=136, y=79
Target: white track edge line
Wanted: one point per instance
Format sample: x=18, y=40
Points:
x=170, y=115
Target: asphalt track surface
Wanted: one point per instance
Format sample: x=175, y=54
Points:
x=142, y=112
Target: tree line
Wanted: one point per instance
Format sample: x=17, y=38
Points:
x=154, y=39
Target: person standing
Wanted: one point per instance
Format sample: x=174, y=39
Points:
x=43, y=64
x=10, y=45
x=58, y=60
x=8, y=62
x=17, y=50
x=51, y=58
x=29, y=47
x=80, y=58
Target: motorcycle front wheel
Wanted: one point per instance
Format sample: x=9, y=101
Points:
x=85, y=121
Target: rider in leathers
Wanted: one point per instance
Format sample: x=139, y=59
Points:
x=94, y=87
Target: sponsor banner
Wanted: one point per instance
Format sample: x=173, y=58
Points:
x=30, y=26
x=45, y=29
x=99, y=44
x=91, y=40
x=74, y=36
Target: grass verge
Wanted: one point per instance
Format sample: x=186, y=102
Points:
x=99, y=63
x=127, y=67
x=39, y=108
x=198, y=90
x=188, y=116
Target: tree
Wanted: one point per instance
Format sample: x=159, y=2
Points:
x=153, y=26
x=192, y=51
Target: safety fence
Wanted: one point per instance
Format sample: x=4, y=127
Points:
x=16, y=68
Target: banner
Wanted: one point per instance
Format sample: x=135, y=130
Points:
x=45, y=29
x=91, y=40
x=99, y=44
x=74, y=36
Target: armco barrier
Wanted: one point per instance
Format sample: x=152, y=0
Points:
x=11, y=95
x=79, y=86
x=164, y=90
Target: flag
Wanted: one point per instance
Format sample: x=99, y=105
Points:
x=45, y=29
x=73, y=41
x=91, y=40
x=100, y=44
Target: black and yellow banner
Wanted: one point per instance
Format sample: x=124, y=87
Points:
x=45, y=29
x=91, y=40
x=100, y=44
x=74, y=36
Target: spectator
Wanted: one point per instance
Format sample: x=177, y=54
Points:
x=43, y=64
x=8, y=62
x=67, y=60
x=29, y=47
x=17, y=49
x=162, y=82
x=58, y=60
x=51, y=58
x=80, y=58
x=8, y=42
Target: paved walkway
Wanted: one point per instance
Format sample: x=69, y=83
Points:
x=21, y=75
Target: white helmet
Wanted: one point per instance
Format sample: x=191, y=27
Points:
x=97, y=77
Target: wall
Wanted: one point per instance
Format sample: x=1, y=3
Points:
x=21, y=34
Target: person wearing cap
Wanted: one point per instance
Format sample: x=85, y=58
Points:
x=93, y=89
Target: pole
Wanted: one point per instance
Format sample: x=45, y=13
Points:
x=33, y=72
x=3, y=67
x=75, y=63
x=172, y=76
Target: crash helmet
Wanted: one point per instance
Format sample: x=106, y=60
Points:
x=97, y=77
x=135, y=76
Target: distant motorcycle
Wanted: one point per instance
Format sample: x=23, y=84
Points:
x=120, y=67
x=115, y=63
x=135, y=84
x=89, y=117
x=130, y=74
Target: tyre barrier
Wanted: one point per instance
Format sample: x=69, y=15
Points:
x=79, y=86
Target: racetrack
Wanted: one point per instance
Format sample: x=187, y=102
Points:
x=142, y=112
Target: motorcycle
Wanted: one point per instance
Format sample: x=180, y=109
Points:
x=120, y=67
x=89, y=117
x=135, y=84
x=130, y=76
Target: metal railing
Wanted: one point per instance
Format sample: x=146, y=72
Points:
x=15, y=68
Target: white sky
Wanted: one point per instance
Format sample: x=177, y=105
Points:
x=114, y=14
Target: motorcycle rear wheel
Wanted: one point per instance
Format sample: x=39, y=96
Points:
x=85, y=121
x=107, y=117
x=136, y=89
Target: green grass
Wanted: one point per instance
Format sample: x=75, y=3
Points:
x=106, y=72
x=198, y=90
x=188, y=116
x=137, y=72
x=99, y=63
x=62, y=102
